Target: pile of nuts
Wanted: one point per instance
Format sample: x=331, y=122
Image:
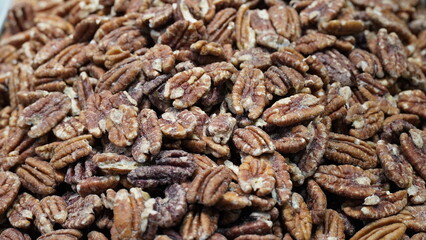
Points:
x=213, y=120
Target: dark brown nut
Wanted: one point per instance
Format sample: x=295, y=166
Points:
x=172, y=166
x=221, y=127
x=13, y=234
x=317, y=202
x=281, y=80
x=291, y=58
x=80, y=171
x=94, y=235
x=70, y=151
x=388, y=20
x=366, y=62
x=253, y=140
x=158, y=60
x=396, y=168
x=257, y=223
x=25, y=209
x=366, y=119
x=291, y=140
x=199, y=223
x=133, y=214
x=342, y=27
x=249, y=93
x=10, y=185
x=413, y=148
x=194, y=10
x=333, y=226
x=256, y=175
x=221, y=28
x=122, y=125
x=64, y=234
x=292, y=110
x=172, y=208
x=339, y=68
x=345, y=180
x=297, y=218
x=391, y=53
x=81, y=213
x=85, y=30
x=181, y=34
x=119, y=77
x=252, y=58
x=203, y=162
x=114, y=163
x=385, y=228
x=187, y=87
x=45, y=114
x=55, y=208
x=64, y=64
x=244, y=34
x=39, y=176
x=69, y=127
x=350, y=150
x=177, y=124
x=417, y=191
x=393, y=129
x=209, y=186
x=414, y=217
x=96, y=185
x=283, y=184
x=120, y=36
x=149, y=140
x=220, y=72
x=314, y=42
x=413, y=101
x=280, y=15
x=320, y=11
x=311, y=158
x=376, y=206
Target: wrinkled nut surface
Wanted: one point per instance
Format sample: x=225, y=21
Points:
x=213, y=120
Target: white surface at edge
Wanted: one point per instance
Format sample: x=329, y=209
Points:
x=4, y=7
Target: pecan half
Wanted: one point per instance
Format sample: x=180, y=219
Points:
x=177, y=124
x=317, y=202
x=122, y=125
x=281, y=80
x=70, y=151
x=292, y=110
x=10, y=185
x=297, y=218
x=173, y=207
x=333, y=226
x=414, y=217
x=81, y=213
x=413, y=101
x=199, y=223
x=253, y=140
x=13, y=234
x=55, y=208
x=283, y=183
x=221, y=28
x=64, y=234
x=320, y=11
x=339, y=68
x=391, y=53
x=209, y=186
x=157, y=60
x=256, y=175
x=181, y=34
x=69, y=127
x=45, y=114
x=385, y=228
x=366, y=62
x=280, y=15
x=149, y=140
x=314, y=42
x=350, y=150
x=413, y=147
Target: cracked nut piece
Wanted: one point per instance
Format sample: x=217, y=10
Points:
x=81, y=212
x=297, y=217
x=10, y=185
x=396, y=168
x=366, y=119
x=173, y=207
x=172, y=166
x=45, y=114
x=187, y=87
x=249, y=93
x=253, y=140
x=417, y=191
x=55, y=208
x=413, y=101
x=385, y=228
x=133, y=214
x=366, y=62
x=391, y=53
x=376, y=206
x=199, y=223
x=413, y=148
x=39, y=176
x=345, y=180
x=70, y=151
x=292, y=110
x=256, y=175
x=345, y=149
x=149, y=140
x=208, y=187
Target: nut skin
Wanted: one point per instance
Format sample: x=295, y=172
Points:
x=10, y=185
x=253, y=140
x=297, y=218
x=256, y=175
x=387, y=228
x=412, y=146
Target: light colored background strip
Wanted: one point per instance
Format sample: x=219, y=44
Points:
x=4, y=6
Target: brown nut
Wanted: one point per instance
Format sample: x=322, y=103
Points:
x=253, y=140
x=297, y=217
x=386, y=228
x=256, y=175
x=413, y=148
